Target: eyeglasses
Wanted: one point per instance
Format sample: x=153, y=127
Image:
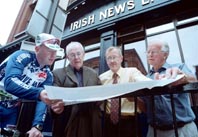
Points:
x=153, y=52
x=72, y=55
x=112, y=58
x=52, y=41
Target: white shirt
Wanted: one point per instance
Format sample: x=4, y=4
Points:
x=125, y=75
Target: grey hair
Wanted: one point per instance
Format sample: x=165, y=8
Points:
x=112, y=48
x=164, y=45
x=73, y=44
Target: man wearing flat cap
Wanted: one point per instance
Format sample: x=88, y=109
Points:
x=26, y=73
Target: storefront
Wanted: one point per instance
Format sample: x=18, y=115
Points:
x=131, y=24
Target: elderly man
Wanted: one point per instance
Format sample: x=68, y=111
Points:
x=125, y=125
x=26, y=73
x=157, y=53
x=84, y=119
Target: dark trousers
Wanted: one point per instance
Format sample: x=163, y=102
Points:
x=143, y=124
x=126, y=127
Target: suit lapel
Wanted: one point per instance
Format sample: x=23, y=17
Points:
x=86, y=76
x=71, y=75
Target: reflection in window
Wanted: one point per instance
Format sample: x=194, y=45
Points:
x=92, y=54
x=137, y=48
x=91, y=59
x=187, y=21
x=160, y=28
x=93, y=46
x=170, y=38
x=189, y=43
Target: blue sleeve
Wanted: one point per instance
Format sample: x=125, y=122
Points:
x=13, y=76
x=40, y=113
x=185, y=69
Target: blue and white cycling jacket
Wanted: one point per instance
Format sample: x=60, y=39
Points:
x=25, y=79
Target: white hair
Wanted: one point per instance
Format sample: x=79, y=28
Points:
x=164, y=45
x=73, y=44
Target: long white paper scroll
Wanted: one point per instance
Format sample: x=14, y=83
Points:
x=102, y=92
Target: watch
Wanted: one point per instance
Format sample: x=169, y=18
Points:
x=39, y=127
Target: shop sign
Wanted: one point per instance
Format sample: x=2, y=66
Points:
x=113, y=12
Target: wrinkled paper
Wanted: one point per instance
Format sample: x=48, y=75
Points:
x=102, y=92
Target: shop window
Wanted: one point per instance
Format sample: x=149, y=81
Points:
x=92, y=51
x=92, y=47
x=187, y=21
x=189, y=43
x=92, y=54
x=160, y=28
x=134, y=56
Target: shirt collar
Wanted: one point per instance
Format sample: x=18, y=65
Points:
x=78, y=71
x=118, y=72
x=163, y=68
x=75, y=70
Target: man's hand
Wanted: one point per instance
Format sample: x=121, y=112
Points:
x=172, y=73
x=158, y=76
x=33, y=132
x=44, y=97
x=57, y=106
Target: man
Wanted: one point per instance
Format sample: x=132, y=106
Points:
x=84, y=119
x=157, y=53
x=125, y=125
x=26, y=73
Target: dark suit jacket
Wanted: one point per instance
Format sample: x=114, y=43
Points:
x=82, y=120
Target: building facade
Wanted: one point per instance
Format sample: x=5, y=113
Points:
x=131, y=24
x=99, y=24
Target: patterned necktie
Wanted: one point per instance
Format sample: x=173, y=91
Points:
x=114, y=108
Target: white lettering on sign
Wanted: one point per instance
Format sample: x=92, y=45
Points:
x=131, y=5
x=116, y=10
x=107, y=13
x=145, y=2
x=82, y=23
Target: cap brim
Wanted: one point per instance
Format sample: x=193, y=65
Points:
x=52, y=46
